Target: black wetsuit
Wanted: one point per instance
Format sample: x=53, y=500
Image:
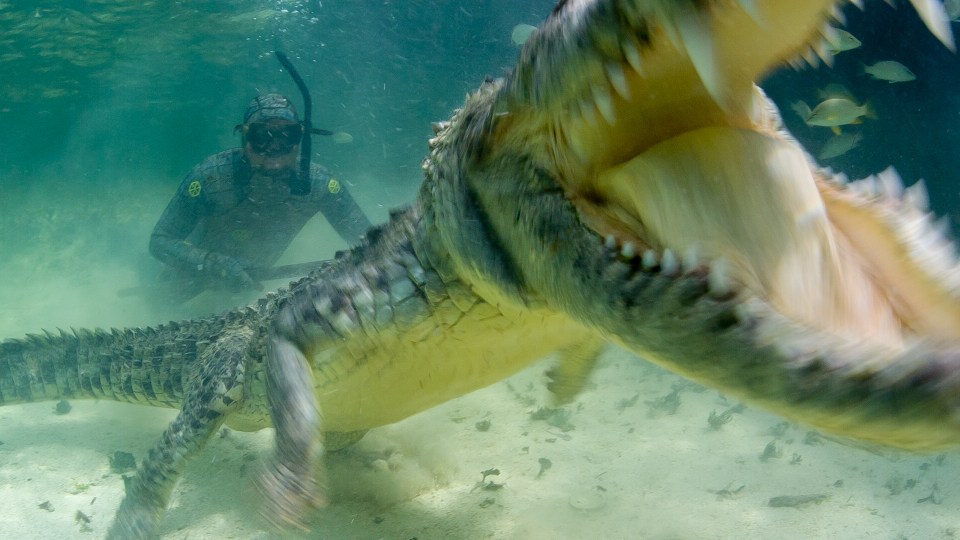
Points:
x=219, y=209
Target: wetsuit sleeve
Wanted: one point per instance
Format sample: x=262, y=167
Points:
x=168, y=240
x=343, y=213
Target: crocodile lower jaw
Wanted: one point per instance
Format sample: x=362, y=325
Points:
x=753, y=201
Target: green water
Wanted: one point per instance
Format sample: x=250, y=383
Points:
x=104, y=106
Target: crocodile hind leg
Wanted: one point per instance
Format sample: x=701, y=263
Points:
x=214, y=391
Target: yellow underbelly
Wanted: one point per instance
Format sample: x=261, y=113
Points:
x=371, y=382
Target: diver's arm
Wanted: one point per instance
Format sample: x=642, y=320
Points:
x=183, y=214
x=168, y=241
x=168, y=244
x=343, y=213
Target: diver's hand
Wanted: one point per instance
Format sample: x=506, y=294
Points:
x=229, y=271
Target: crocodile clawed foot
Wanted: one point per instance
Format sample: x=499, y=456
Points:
x=134, y=523
x=289, y=497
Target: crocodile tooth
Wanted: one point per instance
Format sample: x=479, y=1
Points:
x=668, y=263
x=810, y=57
x=917, y=196
x=610, y=242
x=935, y=16
x=719, y=277
x=866, y=187
x=650, y=259
x=822, y=48
x=588, y=111
x=858, y=3
x=628, y=250
x=673, y=35
x=618, y=79
x=604, y=103
x=890, y=182
x=697, y=39
x=632, y=53
x=830, y=33
x=837, y=15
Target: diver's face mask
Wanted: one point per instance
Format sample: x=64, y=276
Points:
x=272, y=138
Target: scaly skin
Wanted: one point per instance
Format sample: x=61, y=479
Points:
x=627, y=182
x=415, y=314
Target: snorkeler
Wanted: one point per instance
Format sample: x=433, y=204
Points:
x=241, y=208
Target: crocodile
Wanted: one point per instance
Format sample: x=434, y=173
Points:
x=626, y=182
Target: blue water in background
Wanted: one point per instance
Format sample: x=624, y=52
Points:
x=917, y=129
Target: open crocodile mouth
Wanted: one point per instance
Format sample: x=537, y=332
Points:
x=672, y=154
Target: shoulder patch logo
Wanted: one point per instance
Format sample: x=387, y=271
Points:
x=194, y=188
x=333, y=186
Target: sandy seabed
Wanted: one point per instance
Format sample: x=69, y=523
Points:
x=633, y=457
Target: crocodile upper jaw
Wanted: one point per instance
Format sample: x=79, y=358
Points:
x=662, y=141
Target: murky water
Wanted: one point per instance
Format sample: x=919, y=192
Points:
x=107, y=104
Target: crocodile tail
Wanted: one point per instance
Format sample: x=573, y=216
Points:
x=145, y=365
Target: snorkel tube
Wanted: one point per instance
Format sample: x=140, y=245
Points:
x=301, y=184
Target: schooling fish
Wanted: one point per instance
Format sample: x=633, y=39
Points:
x=839, y=40
x=835, y=90
x=802, y=109
x=839, y=145
x=835, y=112
x=890, y=71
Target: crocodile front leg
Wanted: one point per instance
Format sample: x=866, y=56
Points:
x=383, y=296
x=216, y=390
x=289, y=485
x=320, y=316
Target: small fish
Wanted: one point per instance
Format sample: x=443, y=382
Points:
x=342, y=137
x=890, y=71
x=839, y=145
x=835, y=90
x=835, y=112
x=802, y=109
x=840, y=40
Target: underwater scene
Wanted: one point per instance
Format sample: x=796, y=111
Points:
x=110, y=105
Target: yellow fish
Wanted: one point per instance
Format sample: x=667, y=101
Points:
x=840, y=40
x=835, y=112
